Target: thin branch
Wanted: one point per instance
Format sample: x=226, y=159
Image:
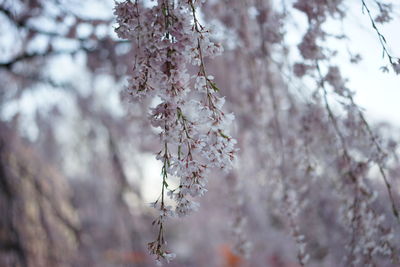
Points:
x=381, y=37
x=27, y=56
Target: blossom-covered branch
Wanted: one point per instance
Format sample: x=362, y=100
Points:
x=194, y=131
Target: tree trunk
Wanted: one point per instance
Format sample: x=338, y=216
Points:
x=38, y=225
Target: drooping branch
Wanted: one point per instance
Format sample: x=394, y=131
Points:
x=394, y=61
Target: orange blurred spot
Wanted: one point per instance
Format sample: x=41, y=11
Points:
x=230, y=258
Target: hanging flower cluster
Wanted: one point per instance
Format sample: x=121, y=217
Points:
x=369, y=235
x=193, y=128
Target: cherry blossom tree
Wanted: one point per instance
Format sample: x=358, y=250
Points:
x=290, y=169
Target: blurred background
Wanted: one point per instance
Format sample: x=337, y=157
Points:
x=77, y=164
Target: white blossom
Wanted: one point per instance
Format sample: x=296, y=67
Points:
x=194, y=134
